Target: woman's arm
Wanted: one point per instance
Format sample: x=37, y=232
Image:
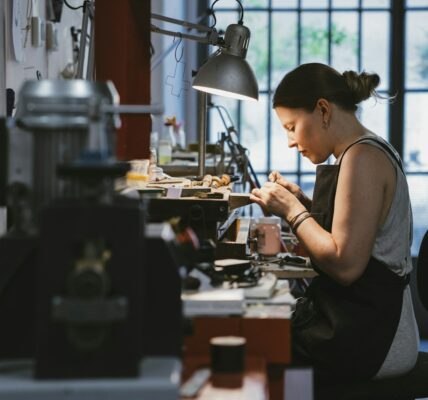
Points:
x=363, y=197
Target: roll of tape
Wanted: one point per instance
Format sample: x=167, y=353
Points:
x=227, y=353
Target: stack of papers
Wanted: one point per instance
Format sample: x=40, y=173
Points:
x=219, y=302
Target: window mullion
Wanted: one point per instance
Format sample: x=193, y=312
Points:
x=396, y=85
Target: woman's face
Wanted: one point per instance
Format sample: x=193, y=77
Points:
x=305, y=132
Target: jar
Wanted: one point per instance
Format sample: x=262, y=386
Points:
x=268, y=234
x=165, y=152
x=156, y=174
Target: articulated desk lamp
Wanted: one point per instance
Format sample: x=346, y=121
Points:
x=225, y=73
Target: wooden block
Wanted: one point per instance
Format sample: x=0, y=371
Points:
x=268, y=338
x=237, y=200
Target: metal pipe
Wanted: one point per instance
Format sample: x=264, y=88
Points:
x=200, y=39
x=159, y=58
x=90, y=71
x=189, y=25
x=84, y=109
x=83, y=37
x=154, y=109
x=202, y=131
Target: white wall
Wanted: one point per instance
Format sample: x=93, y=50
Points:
x=184, y=106
x=49, y=63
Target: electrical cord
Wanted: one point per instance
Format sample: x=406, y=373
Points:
x=241, y=18
x=73, y=7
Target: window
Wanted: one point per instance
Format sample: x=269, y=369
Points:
x=415, y=137
x=346, y=34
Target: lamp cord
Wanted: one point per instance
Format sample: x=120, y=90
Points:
x=241, y=18
x=72, y=7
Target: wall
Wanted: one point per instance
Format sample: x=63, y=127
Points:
x=49, y=63
x=183, y=106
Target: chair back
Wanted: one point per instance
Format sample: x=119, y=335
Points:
x=422, y=271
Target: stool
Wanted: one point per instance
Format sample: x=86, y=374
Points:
x=407, y=387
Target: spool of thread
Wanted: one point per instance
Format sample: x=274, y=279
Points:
x=227, y=353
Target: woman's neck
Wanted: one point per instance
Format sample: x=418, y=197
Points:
x=347, y=132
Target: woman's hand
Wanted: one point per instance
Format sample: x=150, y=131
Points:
x=278, y=200
x=276, y=177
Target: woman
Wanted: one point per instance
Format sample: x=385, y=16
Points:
x=356, y=320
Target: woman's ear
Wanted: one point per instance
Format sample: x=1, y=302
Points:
x=324, y=107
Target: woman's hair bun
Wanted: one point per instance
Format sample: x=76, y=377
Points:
x=361, y=86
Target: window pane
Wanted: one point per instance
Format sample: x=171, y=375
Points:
x=416, y=138
x=284, y=3
x=375, y=45
x=224, y=19
x=344, y=36
x=314, y=3
x=282, y=157
x=284, y=45
x=306, y=165
x=252, y=3
x=345, y=3
x=314, y=37
x=417, y=3
x=418, y=187
x=253, y=131
x=374, y=116
x=263, y=178
x=376, y=3
x=417, y=49
x=216, y=125
x=257, y=55
x=307, y=183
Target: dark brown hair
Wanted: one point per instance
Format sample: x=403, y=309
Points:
x=305, y=85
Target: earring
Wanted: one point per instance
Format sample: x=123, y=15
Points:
x=325, y=124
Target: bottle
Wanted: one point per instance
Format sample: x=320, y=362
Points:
x=165, y=151
x=165, y=145
x=181, y=135
x=176, y=133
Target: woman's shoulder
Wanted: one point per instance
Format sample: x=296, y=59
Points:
x=367, y=154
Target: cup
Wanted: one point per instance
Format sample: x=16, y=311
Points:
x=268, y=234
x=139, y=172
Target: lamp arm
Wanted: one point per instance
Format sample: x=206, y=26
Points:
x=189, y=25
x=159, y=58
x=212, y=37
x=200, y=39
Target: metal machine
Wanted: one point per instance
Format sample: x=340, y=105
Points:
x=88, y=288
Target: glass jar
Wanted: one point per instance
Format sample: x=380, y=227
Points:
x=268, y=234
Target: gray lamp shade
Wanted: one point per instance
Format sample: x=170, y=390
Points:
x=227, y=75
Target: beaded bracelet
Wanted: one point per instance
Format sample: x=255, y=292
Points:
x=294, y=219
x=297, y=224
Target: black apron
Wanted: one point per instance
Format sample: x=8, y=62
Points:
x=346, y=332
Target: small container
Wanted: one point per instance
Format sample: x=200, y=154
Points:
x=165, y=152
x=139, y=172
x=156, y=173
x=227, y=354
x=268, y=233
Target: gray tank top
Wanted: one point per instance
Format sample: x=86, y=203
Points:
x=392, y=247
